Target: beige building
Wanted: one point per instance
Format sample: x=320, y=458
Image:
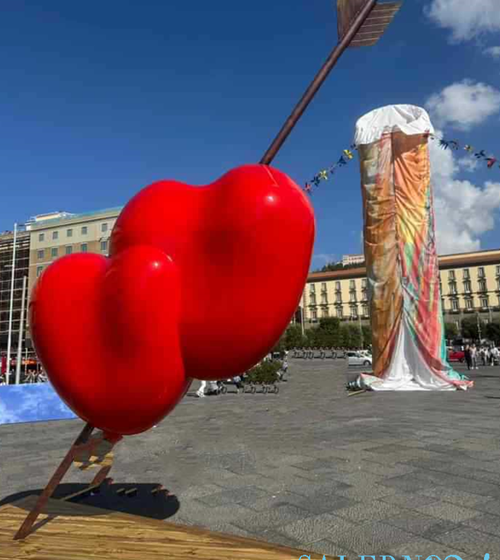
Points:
x=470, y=286
x=58, y=234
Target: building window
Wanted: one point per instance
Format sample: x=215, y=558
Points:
x=41, y=237
x=466, y=274
x=83, y=247
x=451, y=275
x=104, y=227
x=468, y=303
x=354, y=311
x=314, y=315
x=467, y=287
x=312, y=288
x=104, y=245
x=364, y=283
x=41, y=254
x=498, y=284
x=480, y=272
x=312, y=297
x=325, y=311
x=39, y=270
x=337, y=286
x=454, y=304
x=482, y=286
x=352, y=284
x=323, y=286
x=53, y=252
x=69, y=250
x=365, y=310
x=339, y=312
x=443, y=304
x=324, y=299
x=69, y=233
x=55, y=235
x=453, y=288
x=352, y=297
x=498, y=270
x=338, y=298
x=484, y=301
x=84, y=230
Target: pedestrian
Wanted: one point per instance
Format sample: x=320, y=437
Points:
x=473, y=354
x=468, y=357
x=201, y=390
x=482, y=353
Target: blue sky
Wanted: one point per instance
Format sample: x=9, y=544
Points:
x=99, y=99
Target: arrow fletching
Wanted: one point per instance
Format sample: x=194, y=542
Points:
x=374, y=26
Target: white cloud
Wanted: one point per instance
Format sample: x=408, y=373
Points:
x=463, y=105
x=493, y=51
x=463, y=210
x=465, y=19
x=468, y=163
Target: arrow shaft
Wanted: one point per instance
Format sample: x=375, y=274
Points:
x=317, y=82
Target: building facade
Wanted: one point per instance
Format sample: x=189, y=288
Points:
x=470, y=286
x=348, y=260
x=59, y=234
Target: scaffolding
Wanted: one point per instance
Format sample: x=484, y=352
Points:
x=22, y=260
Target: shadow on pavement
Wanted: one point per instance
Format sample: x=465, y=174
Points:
x=112, y=497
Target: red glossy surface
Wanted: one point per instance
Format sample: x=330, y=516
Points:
x=200, y=283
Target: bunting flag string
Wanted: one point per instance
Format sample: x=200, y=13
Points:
x=347, y=155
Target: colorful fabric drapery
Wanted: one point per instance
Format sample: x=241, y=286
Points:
x=409, y=349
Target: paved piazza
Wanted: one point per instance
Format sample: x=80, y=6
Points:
x=394, y=473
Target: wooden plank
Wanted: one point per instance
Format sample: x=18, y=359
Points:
x=78, y=532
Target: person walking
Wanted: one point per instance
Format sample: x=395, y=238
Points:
x=473, y=354
x=201, y=390
x=468, y=357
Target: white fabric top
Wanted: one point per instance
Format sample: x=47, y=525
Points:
x=404, y=118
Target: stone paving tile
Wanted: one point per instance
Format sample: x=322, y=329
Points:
x=246, y=495
x=319, y=527
x=486, y=522
x=419, y=524
x=328, y=547
x=455, y=496
x=373, y=538
x=425, y=548
x=405, y=483
x=273, y=518
x=471, y=541
x=409, y=500
x=366, y=493
x=448, y=511
x=375, y=510
x=273, y=536
x=488, y=506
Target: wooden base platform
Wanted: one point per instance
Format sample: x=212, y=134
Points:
x=69, y=531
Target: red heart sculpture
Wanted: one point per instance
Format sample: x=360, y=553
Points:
x=200, y=283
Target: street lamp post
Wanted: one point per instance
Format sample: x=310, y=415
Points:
x=21, y=332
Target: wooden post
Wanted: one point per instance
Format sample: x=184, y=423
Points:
x=53, y=483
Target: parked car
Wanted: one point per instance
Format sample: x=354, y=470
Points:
x=456, y=356
x=358, y=359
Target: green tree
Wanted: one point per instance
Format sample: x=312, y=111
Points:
x=293, y=337
x=367, y=335
x=492, y=332
x=470, y=330
x=450, y=331
x=328, y=332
